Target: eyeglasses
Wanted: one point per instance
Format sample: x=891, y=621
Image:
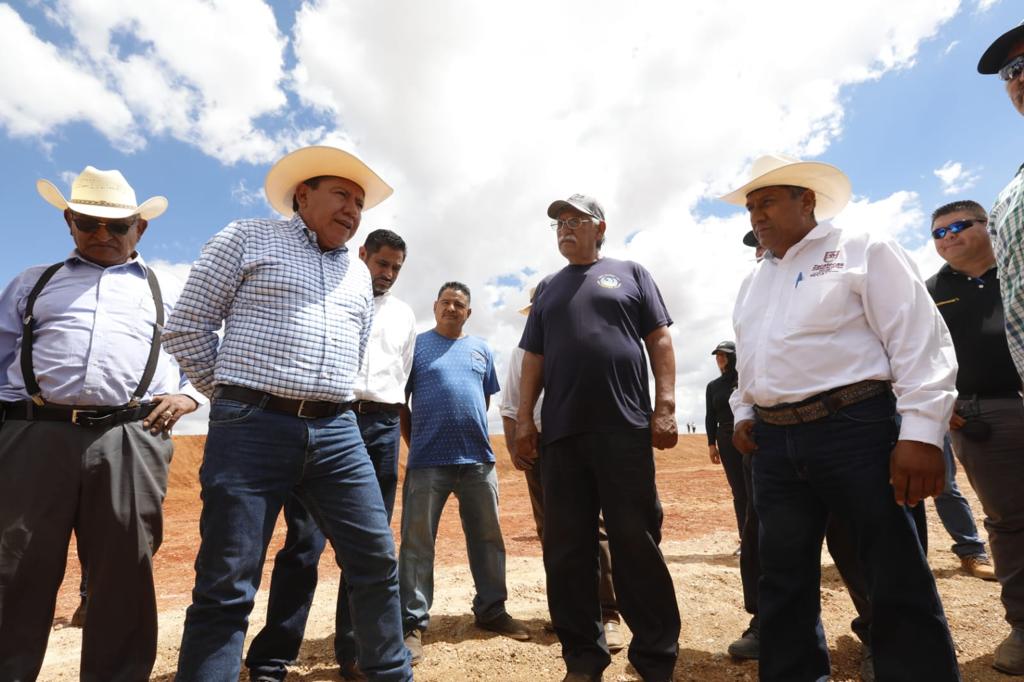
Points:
x=89, y=224
x=572, y=223
x=1012, y=70
x=956, y=228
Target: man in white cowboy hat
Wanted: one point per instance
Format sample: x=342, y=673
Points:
x=836, y=335
x=297, y=309
x=1005, y=56
x=88, y=401
x=531, y=471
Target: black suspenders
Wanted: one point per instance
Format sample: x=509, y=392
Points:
x=27, y=335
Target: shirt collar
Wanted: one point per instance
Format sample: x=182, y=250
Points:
x=136, y=263
x=819, y=231
x=299, y=226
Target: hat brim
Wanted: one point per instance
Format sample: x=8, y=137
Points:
x=525, y=310
x=995, y=56
x=557, y=207
x=723, y=350
x=149, y=209
x=311, y=162
x=830, y=186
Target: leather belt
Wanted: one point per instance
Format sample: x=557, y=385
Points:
x=372, y=407
x=80, y=416
x=821, y=405
x=306, y=409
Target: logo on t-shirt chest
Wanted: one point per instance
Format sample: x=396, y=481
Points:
x=609, y=282
x=829, y=263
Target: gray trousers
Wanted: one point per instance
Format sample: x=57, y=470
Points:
x=995, y=469
x=108, y=485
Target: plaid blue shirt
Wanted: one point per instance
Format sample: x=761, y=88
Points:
x=1007, y=225
x=296, y=319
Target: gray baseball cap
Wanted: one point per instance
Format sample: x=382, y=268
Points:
x=579, y=202
x=725, y=347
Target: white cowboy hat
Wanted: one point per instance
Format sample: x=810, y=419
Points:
x=103, y=194
x=830, y=185
x=311, y=162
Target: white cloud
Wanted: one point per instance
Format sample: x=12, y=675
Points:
x=247, y=196
x=985, y=5
x=955, y=178
x=951, y=47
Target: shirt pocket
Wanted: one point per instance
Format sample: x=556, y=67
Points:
x=479, y=363
x=817, y=304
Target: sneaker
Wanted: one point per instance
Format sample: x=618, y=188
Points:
x=1009, y=656
x=867, y=665
x=350, y=671
x=414, y=643
x=613, y=637
x=979, y=565
x=747, y=647
x=505, y=625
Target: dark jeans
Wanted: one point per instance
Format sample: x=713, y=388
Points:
x=293, y=582
x=840, y=466
x=255, y=460
x=995, y=469
x=732, y=463
x=955, y=511
x=610, y=473
x=107, y=485
x=750, y=561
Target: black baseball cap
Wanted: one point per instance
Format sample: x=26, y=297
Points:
x=725, y=347
x=750, y=239
x=995, y=56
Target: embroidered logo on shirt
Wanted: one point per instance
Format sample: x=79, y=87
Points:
x=609, y=282
x=829, y=263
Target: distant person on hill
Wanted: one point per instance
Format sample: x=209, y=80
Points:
x=987, y=426
x=450, y=388
x=510, y=399
x=835, y=336
x=88, y=402
x=585, y=342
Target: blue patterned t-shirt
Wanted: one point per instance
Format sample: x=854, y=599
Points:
x=449, y=385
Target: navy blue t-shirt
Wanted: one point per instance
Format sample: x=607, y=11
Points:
x=589, y=323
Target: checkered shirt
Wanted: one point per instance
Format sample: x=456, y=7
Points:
x=1007, y=225
x=296, y=319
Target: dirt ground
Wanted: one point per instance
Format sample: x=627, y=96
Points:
x=699, y=540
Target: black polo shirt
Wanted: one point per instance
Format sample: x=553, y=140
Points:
x=973, y=310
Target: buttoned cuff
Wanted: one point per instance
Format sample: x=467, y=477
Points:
x=923, y=429
x=191, y=392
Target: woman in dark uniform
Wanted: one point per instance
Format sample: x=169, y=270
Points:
x=719, y=424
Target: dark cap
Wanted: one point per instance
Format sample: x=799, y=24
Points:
x=725, y=347
x=995, y=56
x=579, y=202
x=750, y=239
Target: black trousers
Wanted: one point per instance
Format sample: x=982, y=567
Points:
x=732, y=463
x=107, y=485
x=611, y=473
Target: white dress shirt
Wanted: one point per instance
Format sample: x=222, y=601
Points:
x=838, y=309
x=388, y=357
x=510, y=393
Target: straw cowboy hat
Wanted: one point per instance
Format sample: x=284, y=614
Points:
x=830, y=185
x=311, y=162
x=526, y=309
x=102, y=194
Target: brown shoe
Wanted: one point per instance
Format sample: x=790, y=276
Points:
x=979, y=565
x=506, y=625
x=350, y=671
x=613, y=637
x=414, y=643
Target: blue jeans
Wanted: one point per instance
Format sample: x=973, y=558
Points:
x=424, y=494
x=254, y=460
x=294, y=579
x=840, y=466
x=955, y=511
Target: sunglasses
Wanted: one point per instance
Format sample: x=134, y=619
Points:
x=956, y=228
x=89, y=224
x=1012, y=69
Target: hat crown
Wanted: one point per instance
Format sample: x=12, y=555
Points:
x=102, y=187
x=770, y=162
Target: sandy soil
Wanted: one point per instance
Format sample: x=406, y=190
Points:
x=699, y=539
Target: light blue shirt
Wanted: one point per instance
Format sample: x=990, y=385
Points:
x=93, y=330
x=449, y=385
x=296, y=319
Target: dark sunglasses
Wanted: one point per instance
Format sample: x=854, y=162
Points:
x=1012, y=69
x=956, y=228
x=89, y=224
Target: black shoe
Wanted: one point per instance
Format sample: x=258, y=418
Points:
x=747, y=647
x=506, y=625
x=350, y=671
x=414, y=643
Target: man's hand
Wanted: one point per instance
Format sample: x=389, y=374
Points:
x=664, y=432
x=916, y=471
x=525, y=444
x=956, y=421
x=743, y=437
x=713, y=454
x=169, y=409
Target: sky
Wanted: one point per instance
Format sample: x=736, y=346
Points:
x=481, y=114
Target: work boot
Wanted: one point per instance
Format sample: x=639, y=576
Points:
x=613, y=637
x=414, y=643
x=748, y=646
x=506, y=625
x=978, y=565
x=1009, y=657
x=350, y=671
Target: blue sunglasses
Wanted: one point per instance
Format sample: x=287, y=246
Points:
x=956, y=228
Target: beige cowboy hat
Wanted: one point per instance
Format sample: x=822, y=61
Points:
x=102, y=194
x=525, y=310
x=830, y=185
x=311, y=162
